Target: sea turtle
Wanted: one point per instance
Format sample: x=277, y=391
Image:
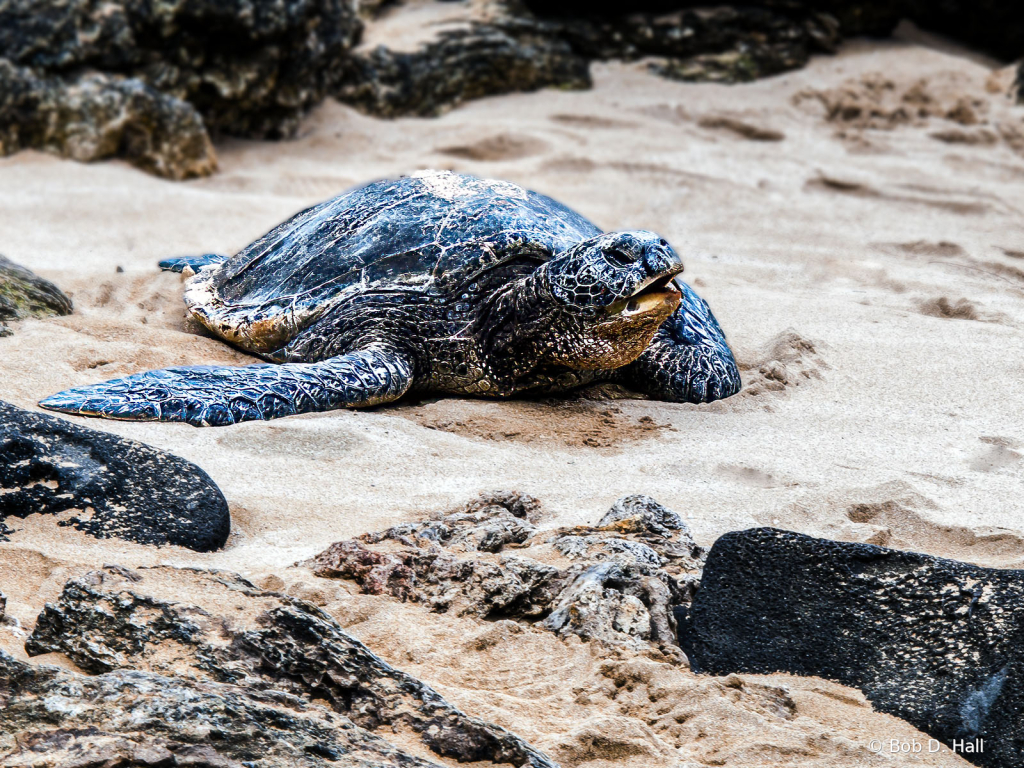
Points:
x=430, y=282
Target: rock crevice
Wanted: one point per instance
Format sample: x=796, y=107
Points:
x=269, y=645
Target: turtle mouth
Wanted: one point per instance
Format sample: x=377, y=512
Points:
x=659, y=295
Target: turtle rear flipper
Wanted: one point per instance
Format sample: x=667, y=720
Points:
x=213, y=395
x=195, y=263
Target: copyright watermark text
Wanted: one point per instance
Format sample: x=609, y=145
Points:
x=928, y=746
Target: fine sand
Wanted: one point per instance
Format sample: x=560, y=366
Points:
x=868, y=270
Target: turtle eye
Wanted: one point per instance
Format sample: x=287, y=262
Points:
x=617, y=258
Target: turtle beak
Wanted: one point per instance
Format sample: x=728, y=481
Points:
x=658, y=295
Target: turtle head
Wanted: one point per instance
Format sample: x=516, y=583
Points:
x=605, y=298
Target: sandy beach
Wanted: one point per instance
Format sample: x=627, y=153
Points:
x=868, y=270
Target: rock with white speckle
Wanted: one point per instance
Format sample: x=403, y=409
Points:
x=105, y=485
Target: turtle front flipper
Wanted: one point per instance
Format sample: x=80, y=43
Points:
x=689, y=360
x=213, y=396
x=195, y=263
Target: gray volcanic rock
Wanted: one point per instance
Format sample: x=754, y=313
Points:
x=53, y=719
x=936, y=642
x=642, y=529
x=511, y=587
x=486, y=524
x=94, y=116
x=628, y=573
x=25, y=294
x=617, y=596
x=484, y=59
x=642, y=513
x=269, y=645
x=105, y=485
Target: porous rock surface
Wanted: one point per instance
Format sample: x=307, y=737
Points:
x=237, y=648
x=93, y=115
x=479, y=59
x=105, y=485
x=251, y=67
x=147, y=80
x=936, y=642
x=25, y=294
x=621, y=582
x=990, y=25
x=722, y=43
x=56, y=719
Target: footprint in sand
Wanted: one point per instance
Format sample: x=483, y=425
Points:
x=938, y=200
x=974, y=138
x=953, y=255
x=740, y=128
x=999, y=455
x=961, y=309
x=749, y=476
x=504, y=146
x=787, y=360
x=895, y=515
x=569, y=164
x=900, y=526
x=592, y=121
x=941, y=249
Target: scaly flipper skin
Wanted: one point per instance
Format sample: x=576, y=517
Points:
x=689, y=360
x=213, y=396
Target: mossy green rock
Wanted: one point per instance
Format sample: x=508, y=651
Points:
x=24, y=294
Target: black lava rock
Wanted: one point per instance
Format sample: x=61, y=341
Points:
x=115, y=487
x=484, y=59
x=25, y=294
x=251, y=67
x=247, y=68
x=725, y=43
x=992, y=26
x=936, y=642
